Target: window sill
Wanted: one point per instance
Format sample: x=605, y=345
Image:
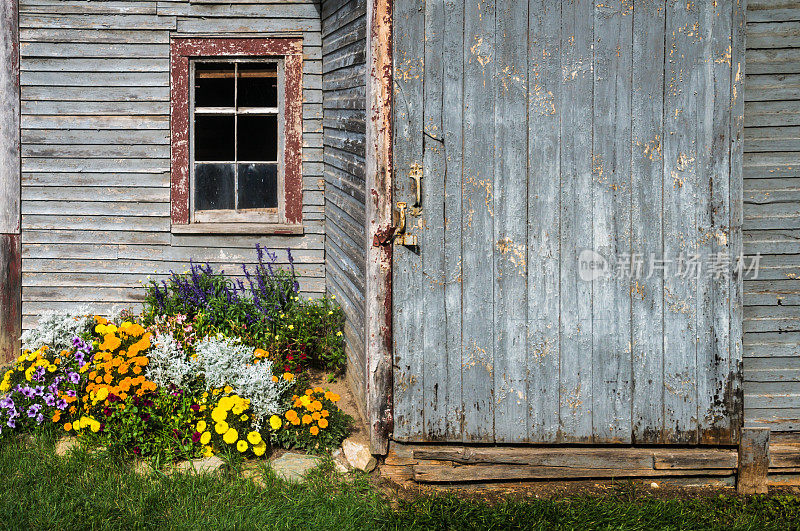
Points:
x=239, y=228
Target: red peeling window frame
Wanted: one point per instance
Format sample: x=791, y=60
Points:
x=182, y=50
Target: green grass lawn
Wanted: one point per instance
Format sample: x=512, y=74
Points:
x=82, y=491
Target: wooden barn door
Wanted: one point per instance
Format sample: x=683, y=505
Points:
x=550, y=142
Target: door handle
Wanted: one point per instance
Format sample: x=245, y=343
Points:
x=416, y=176
x=400, y=236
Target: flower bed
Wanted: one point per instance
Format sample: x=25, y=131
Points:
x=210, y=365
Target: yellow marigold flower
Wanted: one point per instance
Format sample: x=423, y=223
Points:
x=215, y=391
x=228, y=389
x=323, y=423
x=221, y=427
x=238, y=409
x=243, y=418
x=254, y=437
x=102, y=393
x=208, y=451
x=201, y=426
x=314, y=430
x=288, y=376
x=307, y=419
x=242, y=446
x=205, y=438
x=226, y=403
x=275, y=423
x=231, y=436
x=259, y=449
x=306, y=401
x=219, y=414
x=95, y=426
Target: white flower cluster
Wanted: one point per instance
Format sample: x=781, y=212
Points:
x=57, y=329
x=168, y=363
x=226, y=361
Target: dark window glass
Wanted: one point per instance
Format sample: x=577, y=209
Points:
x=258, y=185
x=214, y=85
x=258, y=138
x=213, y=137
x=258, y=85
x=214, y=188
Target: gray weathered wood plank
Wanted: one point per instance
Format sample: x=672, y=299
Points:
x=611, y=221
x=544, y=232
x=510, y=208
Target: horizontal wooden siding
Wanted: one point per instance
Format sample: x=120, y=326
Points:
x=772, y=215
x=343, y=59
x=96, y=150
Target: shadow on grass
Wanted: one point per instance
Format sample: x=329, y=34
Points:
x=82, y=491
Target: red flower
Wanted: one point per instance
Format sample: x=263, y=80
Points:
x=289, y=357
x=196, y=437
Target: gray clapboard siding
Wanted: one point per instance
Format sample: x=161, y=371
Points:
x=96, y=148
x=771, y=216
x=617, y=128
x=343, y=87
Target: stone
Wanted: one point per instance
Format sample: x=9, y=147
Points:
x=654, y=485
x=66, y=445
x=294, y=467
x=142, y=468
x=340, y=463
x=358, y=455
x=207, y=465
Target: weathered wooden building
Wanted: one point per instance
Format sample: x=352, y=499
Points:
x=533, y=212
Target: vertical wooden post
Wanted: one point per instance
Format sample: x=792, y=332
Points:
x=10, y=244
x=378, y=296
x=753, y=461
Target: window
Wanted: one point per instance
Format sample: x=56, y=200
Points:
x=236, y=132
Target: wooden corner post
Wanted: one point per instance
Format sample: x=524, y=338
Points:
x=753, y=461
x=378, y=296
x=10, y=171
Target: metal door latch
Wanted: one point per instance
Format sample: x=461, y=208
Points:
x=400, y=235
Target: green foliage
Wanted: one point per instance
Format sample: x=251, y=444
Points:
x=158, y=425
x=314, y=423
x=265, y=312
x=86, y=491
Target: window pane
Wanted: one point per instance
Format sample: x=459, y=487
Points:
x=214, y=187
x=258, y=186
x=213, y=85
x=258, y=138
x=213, y=137
x=258, y=85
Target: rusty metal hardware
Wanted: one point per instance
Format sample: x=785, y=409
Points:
x=416, y=176
x=400, y=237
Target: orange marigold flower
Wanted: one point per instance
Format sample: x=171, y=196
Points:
x=93, y=375
x=136, y=369
x=291, y=414
x=309, y=391
x=306, y=419
x=314, y=430
x=100, y=320
x=324, y=413
x=72, y=410
x=274, y=378
x=99, y=379
x=56, y=416
x=143, y=361
x=295, y=422
x=323, y=423
x=318, y=389
x=68, y=426
x=107, y=378
x=316, y=415
x=316, y=406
